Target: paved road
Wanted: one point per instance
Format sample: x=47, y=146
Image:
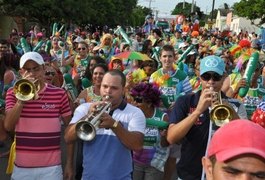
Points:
x=4, y=160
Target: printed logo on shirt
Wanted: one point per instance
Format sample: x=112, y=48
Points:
x=48, y=106
x=175, y=80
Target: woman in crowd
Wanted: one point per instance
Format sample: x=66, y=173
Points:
x=149, y=162
x=51, y=75
x=147, y=47
x=59, y=54
x=105, y=49
x=8, y=74
x=116, y=63
x=78, y=61
x=91, y=64
x=92, y=93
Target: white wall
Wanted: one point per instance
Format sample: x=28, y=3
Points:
x=240, y=23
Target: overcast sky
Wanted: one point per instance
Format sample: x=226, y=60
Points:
x=165, y=7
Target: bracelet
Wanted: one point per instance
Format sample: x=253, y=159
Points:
x=115, y=124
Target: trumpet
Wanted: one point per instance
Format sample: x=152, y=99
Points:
x=220, y=113
x=25, y=90
x=86, y=127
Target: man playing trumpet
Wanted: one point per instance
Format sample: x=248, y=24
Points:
x=108, y=155
x=36, y=121
x=190, y=119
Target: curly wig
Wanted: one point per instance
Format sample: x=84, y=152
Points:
x=148, y=91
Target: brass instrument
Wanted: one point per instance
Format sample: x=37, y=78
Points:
x=25, y=90
x=220, y=113
x=87, y=126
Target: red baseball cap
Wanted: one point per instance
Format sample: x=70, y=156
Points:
x=236, y=138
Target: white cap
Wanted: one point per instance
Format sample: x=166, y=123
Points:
x=34, y=56
x=78, y=39
x=195, y=41
x=182, y=45
x=191, y=52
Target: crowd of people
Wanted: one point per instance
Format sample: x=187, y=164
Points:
x=170, y=113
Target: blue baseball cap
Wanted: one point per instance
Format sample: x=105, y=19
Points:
x=212, y=63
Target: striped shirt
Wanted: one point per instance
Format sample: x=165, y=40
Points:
x=38, y=128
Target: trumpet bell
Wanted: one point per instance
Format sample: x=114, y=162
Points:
x=86, y=131
x=221, y=114
x=24, y=90
x=86, y=128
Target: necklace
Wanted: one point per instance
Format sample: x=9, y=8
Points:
x=37, y=97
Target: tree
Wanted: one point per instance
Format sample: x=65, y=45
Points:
x=187, y=10
x=251, y=9
x=138, y=15
x=46, y=12
x=226, y=6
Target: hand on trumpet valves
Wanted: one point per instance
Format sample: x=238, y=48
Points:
x=95, y=107
x=215, y=99
x=205, y=101
x=106, y=121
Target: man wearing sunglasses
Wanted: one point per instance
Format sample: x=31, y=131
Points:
x=190, y=118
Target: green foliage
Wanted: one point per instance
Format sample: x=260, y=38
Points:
x=251, y=9
x=186, y=11
x=103, y=12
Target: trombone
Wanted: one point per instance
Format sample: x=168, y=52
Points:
x=220, y=114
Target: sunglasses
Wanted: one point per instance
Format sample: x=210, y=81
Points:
x=138, y=99
x=79, y=49
x=49, y=73
x=214, y=76
x=149, y=64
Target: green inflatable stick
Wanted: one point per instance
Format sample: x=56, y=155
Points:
x=2, y=103
x=24, y=44
x=251, y=67
x=86, y=83
x=123, y=34
x=69, y=85
x=159, y=124
x=185, y=53
x=48, y=46
x=38, y=46
x=54, y=28
x=61, y=28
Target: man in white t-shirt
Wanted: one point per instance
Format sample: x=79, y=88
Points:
x=108, y=155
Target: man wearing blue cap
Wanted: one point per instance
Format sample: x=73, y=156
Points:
x=190, y=119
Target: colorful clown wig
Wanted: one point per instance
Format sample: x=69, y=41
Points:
x=148, y=91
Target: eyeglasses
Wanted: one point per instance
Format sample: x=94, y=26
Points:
x=34, y=69
x=214, y=76
x=79, y=49
x=116, y=61
x=3, y=47
x=49, y=73
x=138, y=99
x=55, y=39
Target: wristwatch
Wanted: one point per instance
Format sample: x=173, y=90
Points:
x=115, y=124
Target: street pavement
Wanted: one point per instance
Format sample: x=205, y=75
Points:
x=4, y=160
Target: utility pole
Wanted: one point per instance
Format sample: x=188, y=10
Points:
x=192, y=6
x=212, y=10
x=150, y=3
x=183, y=4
